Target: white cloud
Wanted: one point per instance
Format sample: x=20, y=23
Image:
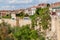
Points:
x=7, y=7
x=20, y=1
x=43, y=1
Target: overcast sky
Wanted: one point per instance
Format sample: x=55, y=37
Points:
x=17, y=4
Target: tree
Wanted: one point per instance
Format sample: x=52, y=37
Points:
x=26, y=15
x=44, y=15
x=33, y=20
x=21, y=14
x=5, y=31
x=25, y=33
x=48, y=5
x=7, y=16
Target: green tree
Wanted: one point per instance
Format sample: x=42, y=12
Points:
x=44, y=15
x=21, y=14
x=7, y=16
x=25, y=33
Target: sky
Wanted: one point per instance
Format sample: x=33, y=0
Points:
x=19, y=4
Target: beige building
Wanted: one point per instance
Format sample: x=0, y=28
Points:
x=30, y=11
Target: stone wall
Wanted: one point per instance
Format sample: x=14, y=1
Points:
x=13, y=22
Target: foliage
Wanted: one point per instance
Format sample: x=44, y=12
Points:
x=21, y=14
x=33, y=20
x=26, y=15
x=7, y=16
x=25, y=33
x=48, y=5
x=5, y=31
x=18, y=33
x=44, y=16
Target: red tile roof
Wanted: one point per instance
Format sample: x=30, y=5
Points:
x=57, y=4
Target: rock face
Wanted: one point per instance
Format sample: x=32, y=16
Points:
x=58, y=26
x=55, y=24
